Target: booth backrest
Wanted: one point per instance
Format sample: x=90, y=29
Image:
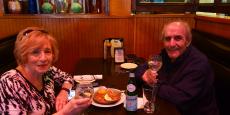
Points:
x=7, y=60
x=217, y=49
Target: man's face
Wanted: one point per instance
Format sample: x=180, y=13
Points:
x=175, y=41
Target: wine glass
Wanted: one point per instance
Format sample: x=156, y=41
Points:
x=149, y=93
x=155, y=62
x=149, y=97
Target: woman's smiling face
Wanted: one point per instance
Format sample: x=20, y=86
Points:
x=40, y=57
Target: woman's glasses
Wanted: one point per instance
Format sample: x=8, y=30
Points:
x=27, y=32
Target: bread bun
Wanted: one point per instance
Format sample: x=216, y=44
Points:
x=107, y=96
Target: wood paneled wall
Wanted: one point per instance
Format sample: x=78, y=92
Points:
x=148, y=32
x=82, y=36
x=214, y=25
x=78, y=37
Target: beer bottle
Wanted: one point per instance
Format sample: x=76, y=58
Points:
x=131, y=93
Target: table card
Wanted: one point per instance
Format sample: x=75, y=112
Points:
x=87, y=77
x=119, y=55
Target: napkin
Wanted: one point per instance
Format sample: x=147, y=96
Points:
x=140, y=104
x=87, y=77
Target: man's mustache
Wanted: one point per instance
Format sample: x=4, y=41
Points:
x=172, y=48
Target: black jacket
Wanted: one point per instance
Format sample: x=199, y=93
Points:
x=187, y=82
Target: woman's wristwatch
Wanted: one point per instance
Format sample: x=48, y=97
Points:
x=65, y=89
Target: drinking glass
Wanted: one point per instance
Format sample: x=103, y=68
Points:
x=149, y=97
x=84, y=90
x=155, y=62
x=149, y=92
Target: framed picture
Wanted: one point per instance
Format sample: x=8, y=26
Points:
x=119, y=55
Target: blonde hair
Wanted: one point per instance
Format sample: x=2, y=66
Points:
x=25, y=41
x=184, y=24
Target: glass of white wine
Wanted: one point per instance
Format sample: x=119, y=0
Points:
x=149, y=98
x=155, y=62
x=149, y=93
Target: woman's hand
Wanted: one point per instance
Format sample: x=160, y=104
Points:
x=61, y=100
x=75, y=106
x=150, y=77
x=62, y=97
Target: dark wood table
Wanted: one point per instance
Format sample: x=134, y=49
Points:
x=115, y=77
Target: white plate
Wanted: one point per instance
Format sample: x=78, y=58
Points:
x=128, y=65
x=110, y=105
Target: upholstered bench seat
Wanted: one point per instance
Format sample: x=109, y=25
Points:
x=7, y=60
x=217, y=49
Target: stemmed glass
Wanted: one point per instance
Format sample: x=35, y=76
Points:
x=149, y=96
x=155, y=62
x=149, y=93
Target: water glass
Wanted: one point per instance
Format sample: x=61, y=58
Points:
x=84, y=90
x=149, y=97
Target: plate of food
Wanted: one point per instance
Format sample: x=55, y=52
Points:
x=128, y=65
x=107, y=97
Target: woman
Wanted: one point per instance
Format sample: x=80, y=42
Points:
x=29, y=88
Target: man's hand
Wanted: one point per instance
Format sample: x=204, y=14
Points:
x=150, y=77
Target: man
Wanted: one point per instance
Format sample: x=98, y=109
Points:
x=186, y=78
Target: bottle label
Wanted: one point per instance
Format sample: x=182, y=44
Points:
x=131, y=87
x=131, y=103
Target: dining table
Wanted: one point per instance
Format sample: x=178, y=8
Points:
x=113, y=76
